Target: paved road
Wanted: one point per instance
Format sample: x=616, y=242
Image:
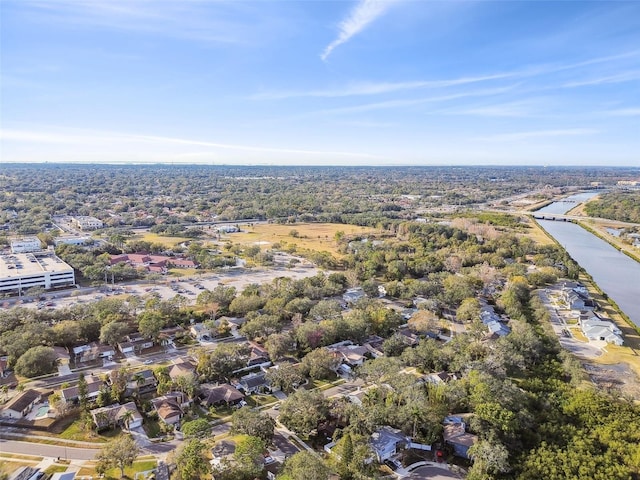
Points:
x=343, y=389
x=432, y=473
x=44, y=450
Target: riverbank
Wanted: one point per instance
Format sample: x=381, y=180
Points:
x=615, y=242
x=603, y=298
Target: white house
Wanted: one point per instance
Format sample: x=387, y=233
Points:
x=21, y=404
x=595, y=328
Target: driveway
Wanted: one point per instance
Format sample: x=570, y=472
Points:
x=284, y=445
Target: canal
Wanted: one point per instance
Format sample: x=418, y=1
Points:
x=615, y=273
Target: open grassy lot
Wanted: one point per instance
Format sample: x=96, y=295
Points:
x=311, y=236
x=537, y=234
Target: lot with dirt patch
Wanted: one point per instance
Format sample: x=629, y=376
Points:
x=311, y=236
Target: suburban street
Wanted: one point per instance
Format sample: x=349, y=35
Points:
x=45, y=450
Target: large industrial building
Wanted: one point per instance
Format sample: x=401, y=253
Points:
x=21, y=271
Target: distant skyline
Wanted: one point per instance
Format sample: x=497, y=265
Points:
x=365, y=82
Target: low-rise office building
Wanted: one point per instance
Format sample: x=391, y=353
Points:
x=26, y=245
x=21, y=271
x=88, y=223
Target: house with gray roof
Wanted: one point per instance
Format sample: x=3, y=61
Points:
x=386, y=442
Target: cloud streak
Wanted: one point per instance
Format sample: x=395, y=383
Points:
x=359, y=18
x=91, y=139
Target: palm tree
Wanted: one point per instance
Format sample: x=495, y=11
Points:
x=139, y=379
x=126, y=417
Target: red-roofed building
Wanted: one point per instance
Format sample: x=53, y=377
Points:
x=153, y=263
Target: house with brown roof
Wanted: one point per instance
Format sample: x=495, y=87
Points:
x=224, y=394
x=20, y=405
x=117, y=415
x=181, y=368
x=169, y=407
x=455, y=435
x=258, y=355
x=352, y=355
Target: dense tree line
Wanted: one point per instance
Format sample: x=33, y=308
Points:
x=618, y=205
x=153, y=195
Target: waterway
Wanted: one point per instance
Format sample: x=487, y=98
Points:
x=615, y=273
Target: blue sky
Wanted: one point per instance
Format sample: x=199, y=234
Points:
x=321, y=82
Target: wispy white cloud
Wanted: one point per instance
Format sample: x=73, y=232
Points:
x=410, y=102
x=624, y=112
x=114, y=139
x=517, y=136
x=365, y=88
x=372, y=88
x=363, y=14
x=205, y=22
x=518, y=109
x=617, y=78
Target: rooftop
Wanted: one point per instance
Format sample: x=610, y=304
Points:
x=25, y=264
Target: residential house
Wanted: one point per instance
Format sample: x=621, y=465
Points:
x=386, y=442
x=352, y=295
x=200, y=332
x=135, y=343
x=373, y=344
x=27, y=473
x=498, y=328
x=93, y=351
x=254, y=383
x=408, y=337
x=126, y=415
x=63, y=476
x=20, y=405
x=215, y=395
x=595, y=328
x=169, y=407
x=143, y=381
x=180, y=368
x=166, y=336
x=455, y=435
x=71, y=394
x=576, y=297
x=258, y=356
x=352, y=355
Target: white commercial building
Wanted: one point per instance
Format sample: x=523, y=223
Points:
x=69, y=240
x=25, y=245
x=88, y=223
x=21, y=271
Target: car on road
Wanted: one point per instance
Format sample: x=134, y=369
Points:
x=148, y=362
